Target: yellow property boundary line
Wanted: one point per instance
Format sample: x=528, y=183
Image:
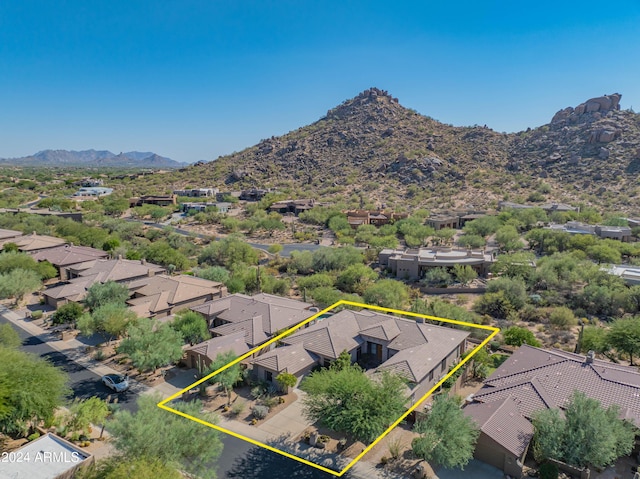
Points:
x=494, y=331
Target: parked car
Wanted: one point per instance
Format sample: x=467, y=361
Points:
x=116, y=382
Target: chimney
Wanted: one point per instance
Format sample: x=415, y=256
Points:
x=590, y=357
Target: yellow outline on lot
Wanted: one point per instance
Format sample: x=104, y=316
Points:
x=494, y=331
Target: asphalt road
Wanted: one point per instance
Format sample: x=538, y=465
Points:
x=239, y=459
x=83, y=382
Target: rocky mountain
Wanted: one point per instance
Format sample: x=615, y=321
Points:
x=93, y=158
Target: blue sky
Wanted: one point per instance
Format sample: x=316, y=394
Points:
x=193, y=80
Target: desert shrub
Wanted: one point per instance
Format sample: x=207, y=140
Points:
x=37, y=314
x=260, y=412
x=238, y=407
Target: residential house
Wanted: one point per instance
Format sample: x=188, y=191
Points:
x=9, y=236
x=533, y=379
x=34, y=242
x=221, y=206
x=92, y=192
x=620, y=233
x=160, y=295
x=201, y=355
x=420, y=352
x=260, y=316
x=158, y=200
x=47, y=457
x=412, y=264
x=254, y=194
x=197, y=192
x=80, y=277
x=376, y=218
x=548, y=207
x=293, y=206
x=442, y=221
x=68, y=255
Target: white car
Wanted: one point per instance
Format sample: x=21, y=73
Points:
x=116, y=382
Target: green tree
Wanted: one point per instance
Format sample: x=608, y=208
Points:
x=594, y=339
x=588, y=435
x=514, y=265
x=494, y=304
x=437, y=277
x=286, y=380
x=100, y=294
x=227, y=378
x=471, y=241
x=387, y=293
x=86, y=412
x=348, y=401
x=275, y=249
x=111, y=320
x=508, y=238
x=9, y=337
x=514, y=290
x=161, y=252
x=327, y=259
x=120, y=467
x=213, y=273
x=37, y=389
x=604, y=254
x=150, y=346
x=192, y=326
x=356, y=278
x=227, y=252
x=155, y=435
x=19, y=282
x=517, y=336
x=562, y=318
x=342, y=362
x=624, y=336
x=447, y=436
x=464, y=273
x=67, y=313
x=483, y=226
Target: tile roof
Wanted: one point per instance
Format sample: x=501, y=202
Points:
x=535, y=379
x=9, y=234
x=161, y=292
x=116, y=269
x=252, y=328
x=292, y=359
x=492, y=417
x=221, y=344
x=35, y=242
x=68, y=254
x=387, y=330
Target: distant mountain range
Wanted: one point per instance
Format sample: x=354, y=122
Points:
x=93, y=158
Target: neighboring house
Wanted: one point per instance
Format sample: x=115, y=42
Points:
x=80, y=277
x=442, y=221
x=89, y=182
x=35, y=242
x=412, y=264
x=620, y=233
x=293, y=206
x=533, y=379
x=201, y=355
x=254, y=194
x=158, y=200
x=221, y=206
x=197, y=192
x=376, y=218
x=9, y=236
x=93, y=191
x=48, y=457
x=159, y=296
x=67, y=255
x=630, y=274
x=259, y=317
x=420, y=352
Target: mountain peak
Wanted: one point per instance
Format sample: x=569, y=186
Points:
x=373, y=99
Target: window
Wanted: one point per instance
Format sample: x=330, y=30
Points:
x=443, y=364
x=431, y=375
x=268, y=376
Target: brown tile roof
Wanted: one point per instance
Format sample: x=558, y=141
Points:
x=221, y=344
x=10, y=235
x=555, y=375
x=35, y=242
x=292, y=359
x=118, y=270
x=502, y=422
x=161, y=292
x=67, y=254
x=74, y=290
x=386, y=330
x=253, y=330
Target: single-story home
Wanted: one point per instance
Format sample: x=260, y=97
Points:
x=421, y=352
x=35, y=242
x=161, y=295
x=68, y=255
x=533, y=379
x=201, y=355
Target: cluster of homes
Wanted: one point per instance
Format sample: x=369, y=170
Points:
x=530, y=380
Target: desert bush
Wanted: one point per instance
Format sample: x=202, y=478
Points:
x=260, y=412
